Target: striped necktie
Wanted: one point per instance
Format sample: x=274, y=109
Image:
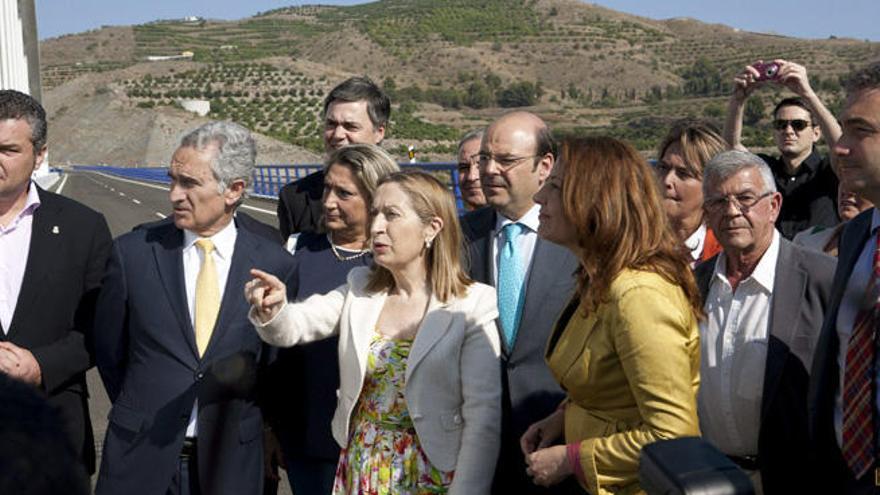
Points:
x=858, y=379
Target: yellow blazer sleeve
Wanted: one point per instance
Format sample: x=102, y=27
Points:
x=656, y=339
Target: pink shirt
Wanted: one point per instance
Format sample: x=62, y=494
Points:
x=15, y=242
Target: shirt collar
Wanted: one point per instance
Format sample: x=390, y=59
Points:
x=764, y=274
x=694, y=243
x=529, y=220
x=875, y=221
x=813, y=161
x=31, y=203
x=224, y=241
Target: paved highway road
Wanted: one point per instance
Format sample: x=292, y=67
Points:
x=126, y=203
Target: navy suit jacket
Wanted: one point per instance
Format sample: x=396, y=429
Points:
x=529, y=391
x=68, y=251
x=146, y=352
x=801, y=295
x=831, y=471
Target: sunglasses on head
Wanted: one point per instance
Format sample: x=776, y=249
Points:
x=796, y=124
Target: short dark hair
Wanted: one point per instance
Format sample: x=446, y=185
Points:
x=544, y=142
x=36, y=456
x=796, y=101
x=362, y=88
x=17, y=105
x=864, y=78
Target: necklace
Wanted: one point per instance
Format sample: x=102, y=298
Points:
x=339, y=256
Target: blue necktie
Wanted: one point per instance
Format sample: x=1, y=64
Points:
x=510, y=283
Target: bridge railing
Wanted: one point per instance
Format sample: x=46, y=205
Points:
x=269, y=179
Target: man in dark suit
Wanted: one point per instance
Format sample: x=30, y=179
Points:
x=516, y=156
x=52, y=255
x=355, y=111
x=843, y=400
x=764, y=299
x=176, y=352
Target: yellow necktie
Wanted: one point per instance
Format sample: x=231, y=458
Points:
x=207, y=296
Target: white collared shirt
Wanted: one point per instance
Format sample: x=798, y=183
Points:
x=224, y=245
x=733, y=342
x=15, y=244
x=525, y=241
x=695, y=242
x=853, y=297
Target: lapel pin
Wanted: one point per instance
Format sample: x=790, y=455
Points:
x=55, y=229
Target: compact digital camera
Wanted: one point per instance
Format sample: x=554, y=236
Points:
x=768, y=71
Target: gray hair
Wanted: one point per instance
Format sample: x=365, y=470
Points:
x=469, y=135
x=235, y=156
x=728, y=163
x=369, y=163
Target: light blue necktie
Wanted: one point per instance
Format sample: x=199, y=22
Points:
x=510, y=283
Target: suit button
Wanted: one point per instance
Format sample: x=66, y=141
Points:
x=457, y=419
x=200, y=375
x=511, y=366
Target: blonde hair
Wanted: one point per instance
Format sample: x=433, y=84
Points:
x=699, y=141
x=369, y=163
x=430, y=199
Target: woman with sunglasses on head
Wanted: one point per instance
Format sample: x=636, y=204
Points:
x=682, y=154
x=626, y=348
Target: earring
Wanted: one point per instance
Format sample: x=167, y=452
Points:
x=427, y=243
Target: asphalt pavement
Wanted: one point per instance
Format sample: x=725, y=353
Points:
x=125, y=204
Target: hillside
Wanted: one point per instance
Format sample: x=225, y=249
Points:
x=450, y=65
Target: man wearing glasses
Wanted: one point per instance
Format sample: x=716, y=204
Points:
x=534, y=279
x=765, y=299
x=804, y=177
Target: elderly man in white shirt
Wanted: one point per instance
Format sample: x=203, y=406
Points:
x=764, y=299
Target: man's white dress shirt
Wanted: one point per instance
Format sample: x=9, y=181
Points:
x=733, y=341
x=224, y=245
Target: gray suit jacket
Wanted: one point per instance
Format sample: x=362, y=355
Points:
x=800, y=299
x=530, y=393
x=825, y=376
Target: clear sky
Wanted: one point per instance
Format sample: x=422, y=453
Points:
x=858, y=19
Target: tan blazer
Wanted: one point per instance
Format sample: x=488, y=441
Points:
x=631, y=370
x=453, y=377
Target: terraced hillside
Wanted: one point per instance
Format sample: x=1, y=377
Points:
x=450, y=65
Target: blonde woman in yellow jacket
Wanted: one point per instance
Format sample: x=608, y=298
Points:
x=626, y=349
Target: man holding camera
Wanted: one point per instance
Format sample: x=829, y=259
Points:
x=805, y=178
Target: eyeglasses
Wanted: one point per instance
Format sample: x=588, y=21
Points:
x=504, y=162
x=743, y=202
x=797, y=124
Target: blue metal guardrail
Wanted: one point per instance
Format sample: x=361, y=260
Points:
x=269, y=179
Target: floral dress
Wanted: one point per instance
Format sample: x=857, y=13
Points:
x=383, y=455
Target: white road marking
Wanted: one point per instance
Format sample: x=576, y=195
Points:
x=135, y=201
x=160, y=215
x=165, y=188
x=261, y=210
x=122, y=194
x=61, y=186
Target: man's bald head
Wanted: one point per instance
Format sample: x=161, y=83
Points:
x=516, y=156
